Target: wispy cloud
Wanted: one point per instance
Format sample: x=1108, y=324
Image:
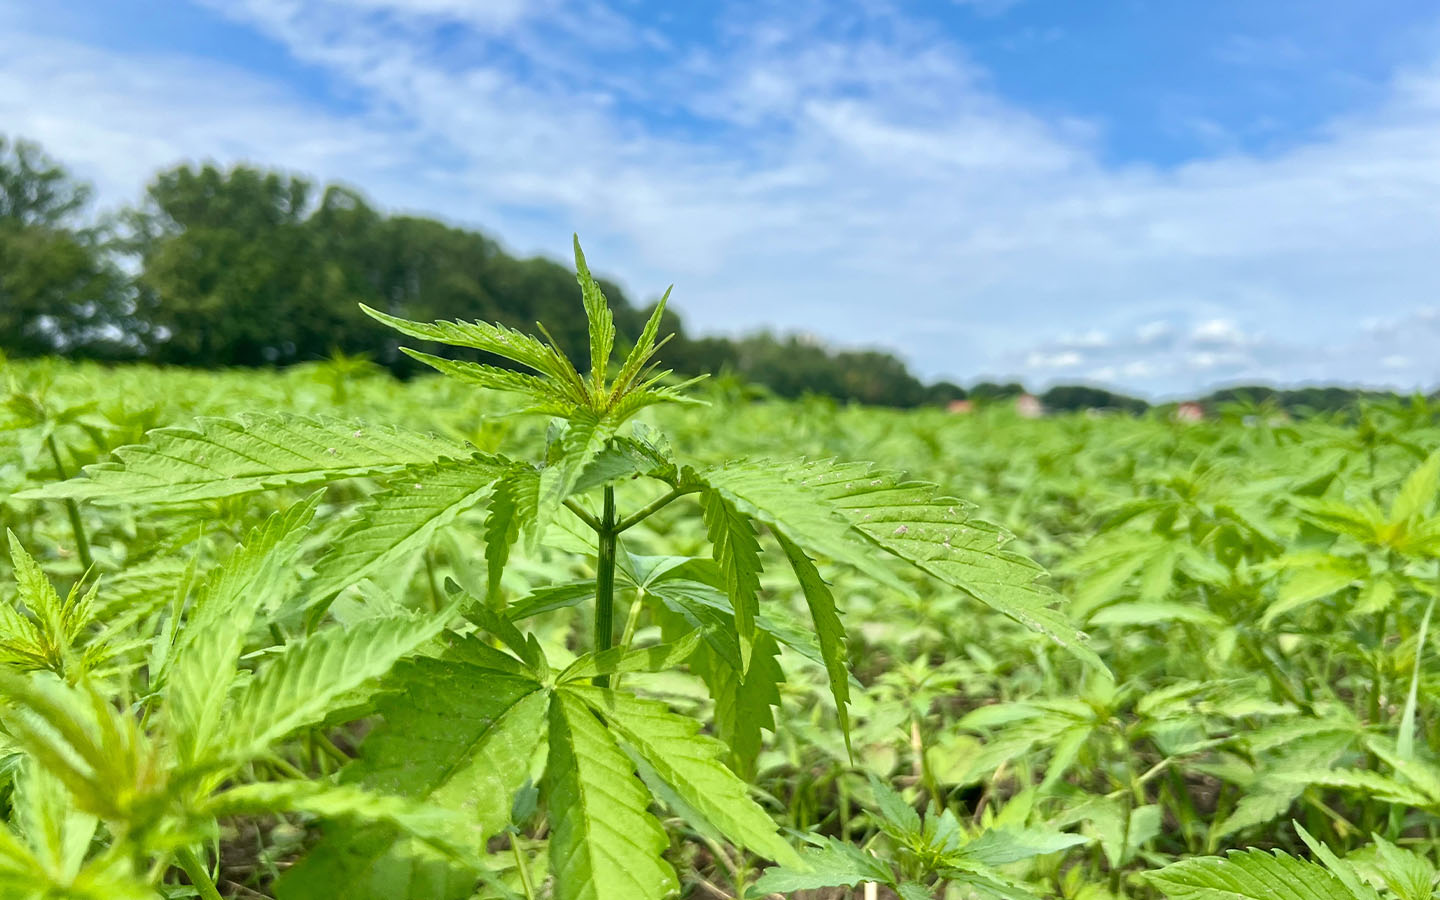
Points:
x=852, y=175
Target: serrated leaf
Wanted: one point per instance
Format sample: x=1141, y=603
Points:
x=1001, y=846
x=897, y=816
x=604, y=844
x=436, y=826
x=581, y=442
x=737, y=553
x=938, y=534
x=598, y=318
x=1373, y=784
x=514, y=502
x=229, y=457
x=1248, y=875
x=689, y=762
x=1417, y=493
x=1338, y=867
x=617, y=660
x=543, y=396
x=1312, y=583
x=308, y=676
x=643, y=350
x=394, y=526
x=457, y=732
x=828, y=630
x=833, y=863
x=504, y=342
x=744, y=703
x=1256, y=808
x=204, y=666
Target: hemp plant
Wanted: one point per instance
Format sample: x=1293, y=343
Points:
x=478, y=725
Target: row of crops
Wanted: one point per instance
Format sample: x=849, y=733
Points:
x=324, y=634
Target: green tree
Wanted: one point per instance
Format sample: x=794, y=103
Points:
x=59, y=290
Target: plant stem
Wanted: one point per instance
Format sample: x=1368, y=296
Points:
x=522, y=867
x=651, y=509
x=605, y=582
x=585, y=517
x=632, y=621
x=199, y=875
x=82, y=544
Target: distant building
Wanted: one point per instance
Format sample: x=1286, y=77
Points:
x=960, y=407
x=1189, y=412
x=1029, y=407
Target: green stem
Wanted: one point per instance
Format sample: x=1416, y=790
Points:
x=632, y=621
x=522, y=867
x=82, y=544
x=605, y=582
x=648, y=511
x=199, y=875
x=585, y=517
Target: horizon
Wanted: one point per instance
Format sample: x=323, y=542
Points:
x=930, y=179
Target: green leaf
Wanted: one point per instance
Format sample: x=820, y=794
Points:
x=603, y=844
x=938, y=534
x=1408, y=874
x=1340, y=518
x=1338, y=867
x=898, y=817
x=744, y=703
x=1321, y=578
x=504, y=342
x=657, y=658
x=1258, y=806
x=59, y=834
x=515, y=501
x=1417, y=493
x=689, y=762
x=399, y=523
x=204, y=666
x=599, y=319
x=766, y=494
x=543, y=396
x=737, y=553
x=1405, y=743
x=310, y=675
x=1155, y=612
x=643, y=350
x=1001, y=846
x=1248, y=875
x=828, y=629
x=458, y=733
x=1373, y=784
x=79, y=737
x=834, y=863
x=229, y=457
x=580, y=443
x=436, y=826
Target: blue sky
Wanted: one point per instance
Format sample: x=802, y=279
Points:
x=1160, y=196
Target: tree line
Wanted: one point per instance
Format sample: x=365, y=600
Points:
x=252, y=267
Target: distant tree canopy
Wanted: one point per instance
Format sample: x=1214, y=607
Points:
x=1073, y=397
x=248, y=267
x=60, y=291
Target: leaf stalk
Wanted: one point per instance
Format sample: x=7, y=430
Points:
x=605, y=581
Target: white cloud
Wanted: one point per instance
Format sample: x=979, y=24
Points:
x=1218, y=331
x=1064, y=359
x=864, y=184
